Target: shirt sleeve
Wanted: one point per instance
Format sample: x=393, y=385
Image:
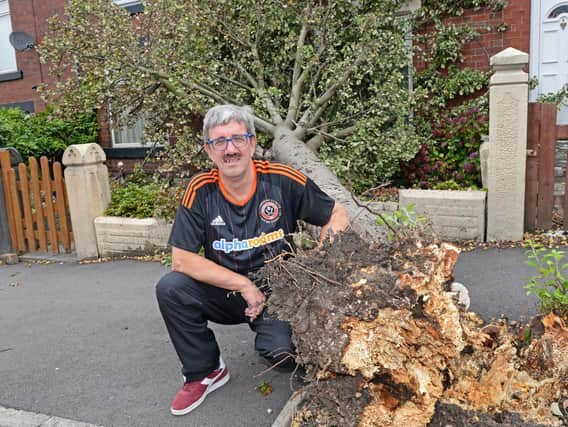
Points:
x=188, y=230
x=314, y=206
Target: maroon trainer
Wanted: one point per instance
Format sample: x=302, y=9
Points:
x=193, y=393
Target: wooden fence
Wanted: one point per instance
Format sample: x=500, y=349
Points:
x=38, y=210
x=541, y=152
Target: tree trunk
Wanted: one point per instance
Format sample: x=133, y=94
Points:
x=290, y=150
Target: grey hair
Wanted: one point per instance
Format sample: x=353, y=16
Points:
x=223, y=114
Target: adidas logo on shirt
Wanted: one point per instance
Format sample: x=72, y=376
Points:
x=218, y=221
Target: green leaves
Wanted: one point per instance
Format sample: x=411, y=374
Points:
x=43, y=135
x=133, y=201
x=402, y=223
x=180, y=58
x=549, y=285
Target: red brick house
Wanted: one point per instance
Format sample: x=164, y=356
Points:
x=21, y=71
x=537, y=27
x=534, y=26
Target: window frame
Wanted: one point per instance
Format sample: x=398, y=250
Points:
x=12, y=60
x=114, y=130
x=126, y=4
x=563, y=5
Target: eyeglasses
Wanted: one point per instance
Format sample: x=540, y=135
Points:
x=221, y=144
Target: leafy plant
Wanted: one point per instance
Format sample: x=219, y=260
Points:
x=402, y=223
x=549, y=285
x=449, y=152
x=264, y=388
x=559, y=98
x=143, y=195
x=133, y=201
x=447, y=185
x=166, y=258
x=43, y=135
x=452, y=153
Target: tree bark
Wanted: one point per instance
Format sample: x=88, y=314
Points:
x=288, y=149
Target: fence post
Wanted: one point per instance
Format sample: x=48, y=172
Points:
x=5, y=240
x=9, y=157
x=508, y=107
x=88, y=190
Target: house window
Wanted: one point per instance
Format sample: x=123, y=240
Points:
x=7, y=52
x=133, y=6
x=129, y=136
x=558, y=11
x=133, y=135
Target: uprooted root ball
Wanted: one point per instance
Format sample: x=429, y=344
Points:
x=384, y=342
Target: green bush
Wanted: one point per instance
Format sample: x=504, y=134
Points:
x=550, y=284
x=452, y=154
x=144, y=196
x=42, y=135
x=133, y=201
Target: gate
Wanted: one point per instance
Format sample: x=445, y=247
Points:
x=541, y=153
x=37, y=206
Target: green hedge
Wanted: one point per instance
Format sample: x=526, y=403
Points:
x=41, y=135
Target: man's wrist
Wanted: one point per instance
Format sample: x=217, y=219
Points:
x=245, y=284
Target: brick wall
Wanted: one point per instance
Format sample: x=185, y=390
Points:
x=29, y=16
x=509, y=27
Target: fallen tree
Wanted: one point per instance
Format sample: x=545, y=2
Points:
x=385, y=344
x=325, y=79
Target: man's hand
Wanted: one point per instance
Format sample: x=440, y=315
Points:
x=338, y=222
x=255, y=300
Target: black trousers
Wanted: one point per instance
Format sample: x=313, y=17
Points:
x=187, y=305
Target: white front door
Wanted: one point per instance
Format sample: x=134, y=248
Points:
x=549, y=49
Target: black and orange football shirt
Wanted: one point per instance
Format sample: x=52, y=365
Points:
x=243, y=235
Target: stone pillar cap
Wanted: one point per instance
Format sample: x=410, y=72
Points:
x=83, y=154
x=509, y=56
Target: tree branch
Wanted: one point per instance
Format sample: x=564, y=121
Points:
x=247, y=75
x=344, y=133
x=264, y=125
x=322, y=102
x=317, y=140
x=339, y=121
x=261, y=88
x=298, y=76
x=166, y=81
x=268, y=102
x=230, y=33
x=236, y=83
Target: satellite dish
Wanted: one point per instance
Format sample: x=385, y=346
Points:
x=21, y=41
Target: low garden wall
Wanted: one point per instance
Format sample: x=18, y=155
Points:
x=454, y=215
x=130, y=236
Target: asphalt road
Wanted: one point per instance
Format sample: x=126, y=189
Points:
x=496, y=279
x=86, y=342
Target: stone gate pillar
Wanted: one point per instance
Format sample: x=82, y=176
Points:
x=88, y=190
x=508, y=109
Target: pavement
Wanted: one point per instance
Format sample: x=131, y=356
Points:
x=84, y=344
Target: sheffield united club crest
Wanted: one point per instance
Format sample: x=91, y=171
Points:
x=269, y=211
